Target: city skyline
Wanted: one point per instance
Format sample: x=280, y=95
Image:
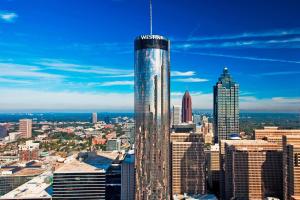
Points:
x=55, y=55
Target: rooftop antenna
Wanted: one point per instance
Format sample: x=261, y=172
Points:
x=150, y=17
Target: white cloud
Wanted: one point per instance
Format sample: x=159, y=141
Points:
x=117, y=83
x=67, y=100
x=88, y=69
x=279, y=104
x=29, y=71
x=8, y=16
x=270, y=33
x=191, y=80
x=14, y=81
x=46, y=100
x=179, y=73
x=244, y=57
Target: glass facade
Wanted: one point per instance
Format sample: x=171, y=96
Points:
x=152, y=117
x=226, y=107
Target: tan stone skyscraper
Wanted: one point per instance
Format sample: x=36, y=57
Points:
x=291, y=167
x=253, y=170
x=152, y=117
x=188, y=163
x=25, y=127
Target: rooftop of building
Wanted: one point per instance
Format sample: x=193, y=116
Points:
x=36, y=188
x=194, y=197
x=275, y=129
x=89, y=162
x=22, y=169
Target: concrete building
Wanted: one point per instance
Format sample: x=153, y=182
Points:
x=188, y=164
x=13, y=136
x=253, y=170
x=12, y=176
x=113, y=145
x=25, y=127
x=127, y=177
x=226, y=107
x=207, y=130
x=291, y=166
x=38, y=188
x=197, y=119
x=213, y=168
x=152, y=117
x=89, y=176
x=29, y=151
x=274, y=134
x=94, y=118
x=184, y=128
x=3, y=131
x=186, y=108
x=176, y=115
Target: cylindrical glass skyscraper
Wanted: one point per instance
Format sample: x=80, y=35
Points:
x=152, y=117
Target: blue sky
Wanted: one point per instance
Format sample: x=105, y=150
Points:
x=78, y=55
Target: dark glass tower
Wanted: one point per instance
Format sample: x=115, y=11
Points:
x=226, y=107
x=152, y=117
x=186, y=107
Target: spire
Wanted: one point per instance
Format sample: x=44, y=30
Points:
x=150, y=17
x=225, y=70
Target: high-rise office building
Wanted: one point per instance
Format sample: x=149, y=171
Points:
x=274, y=134
x=188, y=164
x=25, y=127
x=127, y=177
x=176, y=115
x=3, y=131
x=197, y=119
x=94, y=118
x=91, y=176
x=291, y=166
x=186, y=108
x=253, y=170
x=226, y=107
x=213, y=168
x=152, y=117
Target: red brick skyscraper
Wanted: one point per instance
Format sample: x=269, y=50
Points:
x=186, y=107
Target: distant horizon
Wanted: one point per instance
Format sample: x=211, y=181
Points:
x=130, y=111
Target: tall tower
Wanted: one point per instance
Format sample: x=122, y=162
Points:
x=226, y=107
x=176, y=115
x=152, y=117
x=25, y=127
x=186, y=107
x=94, y=118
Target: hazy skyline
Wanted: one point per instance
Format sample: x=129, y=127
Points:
x=55, y=55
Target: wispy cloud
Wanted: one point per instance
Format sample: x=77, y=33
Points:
x=245, y=57
x=116, y=83
x=279, y=104
x=14, y=81
x=179, y=73
x=8, y=16
x=270, y=33
x=190, y=80
x=29, y=71
x=64, y=100
x=265, y=39
x=277, y=73
x=82, y=68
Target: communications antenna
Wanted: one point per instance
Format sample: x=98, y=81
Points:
x=150, y=17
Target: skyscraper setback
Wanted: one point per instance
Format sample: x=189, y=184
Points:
x=186, y=107
x=152, y=117
x=226, y=107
